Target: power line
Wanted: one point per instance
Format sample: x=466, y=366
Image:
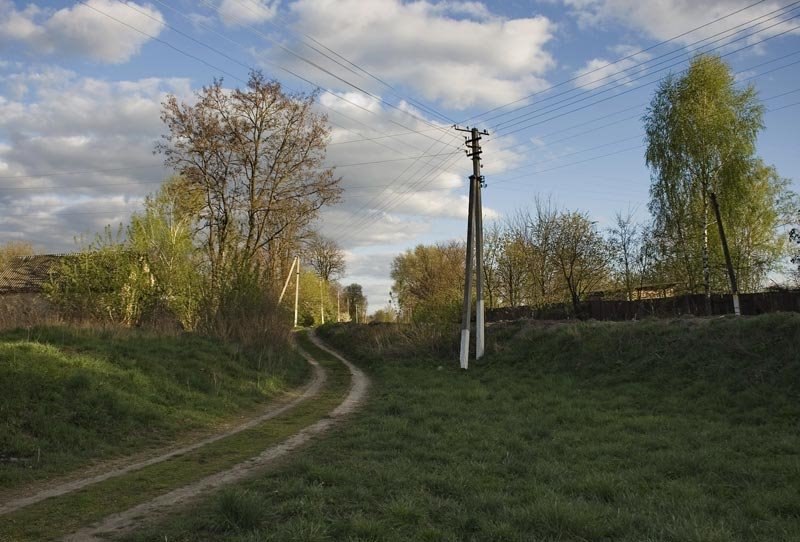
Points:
x=425, y=107
x=617, y=61
x=611, y=86
x=326, y=71
x=632, y=89
x=249, y=67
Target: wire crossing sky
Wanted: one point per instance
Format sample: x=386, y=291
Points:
x=561, y=85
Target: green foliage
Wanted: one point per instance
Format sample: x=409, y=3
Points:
x=105, y=282
x=429, y=281
x=162, y=235
x=355, y=302
x=701, y=139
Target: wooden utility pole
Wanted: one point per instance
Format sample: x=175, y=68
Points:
x=474, y=253
x=728, y=262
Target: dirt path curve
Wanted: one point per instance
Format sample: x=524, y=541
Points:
x=274, y=409
x=126, y=521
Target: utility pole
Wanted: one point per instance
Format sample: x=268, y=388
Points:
x=474, y=248
x=288, y=278
x=731, y=274
x=338, y=307
x=296, y=290
x=322, y=300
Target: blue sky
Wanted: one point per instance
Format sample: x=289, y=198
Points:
x=81, y=86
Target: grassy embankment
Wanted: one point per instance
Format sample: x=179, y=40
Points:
x=685, y=430
x=53, y=518
x=70, y=397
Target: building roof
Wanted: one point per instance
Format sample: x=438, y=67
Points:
x=27, y=274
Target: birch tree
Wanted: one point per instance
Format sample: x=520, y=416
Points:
x=701, y=135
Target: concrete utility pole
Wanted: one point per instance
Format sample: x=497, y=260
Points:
x=322, y=300
x=297, y=291
x=338, y=307
x=288, y=278
x=474, y=237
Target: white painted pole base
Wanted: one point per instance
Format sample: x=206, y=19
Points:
x=479, y=331
x=736, y=310
x=464, y=348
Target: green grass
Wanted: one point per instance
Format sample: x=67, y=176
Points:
x=684, y=430
x=54, y=518
x=70, y=397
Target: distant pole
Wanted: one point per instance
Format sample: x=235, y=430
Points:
x=322, y=300
x=288, y=278
x=296, y=290
x=728, y=262
x=474, y=249
x=338, y=307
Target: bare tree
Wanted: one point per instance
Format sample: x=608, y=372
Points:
x=325, y=257
x=624, y=243
x=253, y=160
x=581, y=253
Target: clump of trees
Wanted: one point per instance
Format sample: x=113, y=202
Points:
x=212, y=246
x=536, y=257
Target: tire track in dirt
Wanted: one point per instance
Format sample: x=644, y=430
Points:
x=275, y=409
x=126, y=521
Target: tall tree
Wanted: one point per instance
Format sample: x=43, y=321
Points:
x=428, y=281
x=356, y=302
x=701, y=134
x=624, y=242
x=327, y=259
x=325, y=256
x=254, y=158
x=582, y=255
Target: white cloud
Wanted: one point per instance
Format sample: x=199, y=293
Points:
x=101, y=131
x=451, y=52
x=81, y=30
x=395, y=202
x=667, y=18
x=243, y=12
x=601, y=71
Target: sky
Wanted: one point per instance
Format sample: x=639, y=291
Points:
x=560, y=85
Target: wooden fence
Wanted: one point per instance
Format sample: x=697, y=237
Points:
x=751, y=304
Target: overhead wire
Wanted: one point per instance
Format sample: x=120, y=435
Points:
x=361, y=70
x=300, y=57
x=617, y=61
x=611, y=86
x=249, y=67
x=627, y=91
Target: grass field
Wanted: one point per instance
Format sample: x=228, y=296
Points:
x=648, y=431
x=70, y=397
x=53, y=518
